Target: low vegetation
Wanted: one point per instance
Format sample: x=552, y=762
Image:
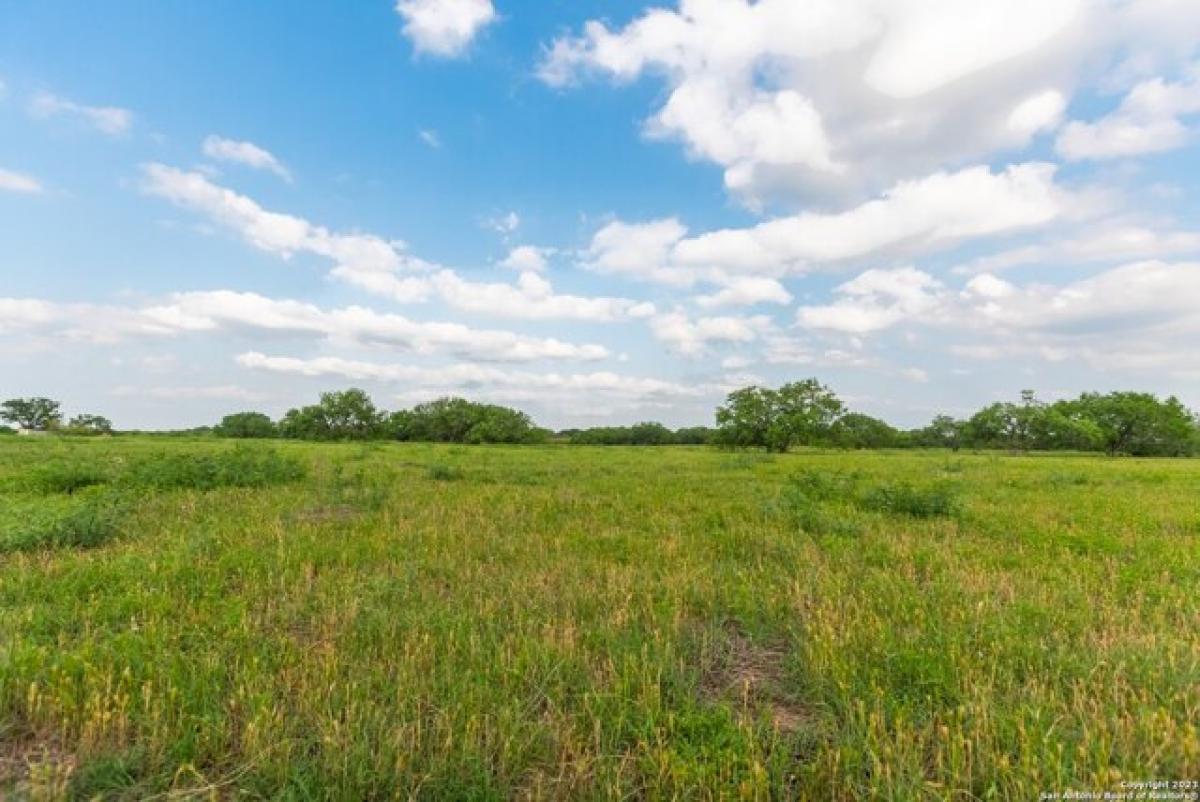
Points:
x=411, y=620
x=803, y=413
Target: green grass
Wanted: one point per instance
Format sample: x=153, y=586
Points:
x=416, y=621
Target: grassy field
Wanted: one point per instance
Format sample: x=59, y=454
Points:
x=414, y=621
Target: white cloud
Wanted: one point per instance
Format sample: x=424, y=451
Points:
x=256, y=316
x=640, y=250
x=444, y=28
x=19, y=182
x=1037, y=113
x=526, y=258
x=484, y=380
x=930, y=43
x=111, y=120
x=691, y=337
x=1101, y=241
x=838, y=96
x=1147, y=121
x=1139, y=316
x=531, y=298
x=746, y=291
x=218, y=391
x=430, y=137
x=934, y=212
x=377, y=265
x=874, y=300
x=245, y=153
x=364, y=260
x=506, y=223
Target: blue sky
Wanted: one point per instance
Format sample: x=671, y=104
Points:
x=596, y=211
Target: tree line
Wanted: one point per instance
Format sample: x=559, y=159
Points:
x=802, y=413
x=45, y=415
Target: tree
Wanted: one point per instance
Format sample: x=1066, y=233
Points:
x=37, y=414
x=245, y=425
x=797, y=413
x=942, y=432
x=694, y=436
x=650, y=433
x=457, y=420
x=856, y=430
x=345, y=415
x=1136, y=423
x=89, y=424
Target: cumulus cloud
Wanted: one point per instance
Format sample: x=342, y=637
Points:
x=1138, y=316
x=837, y=99
x=1102, y=241
x=531, y=298
x=111, y=120
x=487, y=381
x=1148, y=120
x=797, y=98
x=444, y=28
x=874, y=300
x=746, y=291
x=379, y=266
x=691, y=337
x=526, y=258
x=19, y=182
x=1037, y=113
x=934, y=212
x=244, y=153
x=252, y=315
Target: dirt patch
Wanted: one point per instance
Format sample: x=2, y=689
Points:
x=752, y=675
x=32, y=766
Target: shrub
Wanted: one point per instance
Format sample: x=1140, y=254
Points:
x=898, y=498
x=82, y=523
x=823, y=486
x=240, y=467
x=62, y=476
x=245, y=425
x=445, y=473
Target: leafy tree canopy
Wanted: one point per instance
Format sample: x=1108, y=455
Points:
x=38, y=414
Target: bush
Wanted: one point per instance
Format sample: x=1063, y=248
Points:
x=445, y=473
x=899, y=498
x=457, y=420
x=245, y=425
x=81, y=523
x=241, y=467
x=62, y=477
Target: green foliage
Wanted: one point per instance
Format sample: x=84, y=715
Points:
x=82, y=522
x=799, y=413
x=856, y=430
x=440, y=472
x=942, y=432
x=62, y=476
x=1136, y=423
x=38, y=414
x=240, y=467
x=245, y=425
x=457, y=420
x=647, y=433
x=663, y=624
x=345, y=415
x=901, y=498
x=695, y=436
x=89, y=425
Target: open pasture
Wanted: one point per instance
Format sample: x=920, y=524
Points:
x=349, y=622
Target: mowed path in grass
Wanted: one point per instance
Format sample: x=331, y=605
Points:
x=440, y=622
